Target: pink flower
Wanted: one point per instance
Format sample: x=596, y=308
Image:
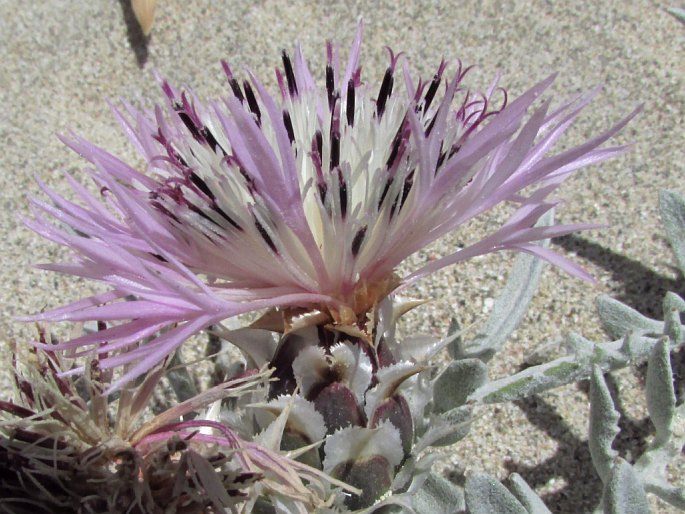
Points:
x=305, y=202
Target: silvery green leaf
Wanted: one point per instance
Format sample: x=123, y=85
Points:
x=438, y=495
x=446, y=428
x=485, y=495
x=510, y=306
x=660, y=393
x=455, y=347
x=632, y=349
x=508, y=310
x=412, y=473
x=673, y=306
x=453, y=386
x=603, y=425
x=673, y=302
x=624, y=493
x=668, y=493
x=533, y=380
x=523, y=492
x=678, y=13
x=672, y=207
x=618, y=319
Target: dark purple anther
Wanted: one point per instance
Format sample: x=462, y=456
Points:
x=235, y=85
x=335, y=150
x=433, y=88
x=408, y=183
x=265, y=236
x=358, y=240
x=201, y=185
x=343, y=194
x=330, y=86
x=225, y=216
x=252, y=102
x=289, y=126
x=385, y=92
x=289, y=74
x=350, y=103
x=385, y=192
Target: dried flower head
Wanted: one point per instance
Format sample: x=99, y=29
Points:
x=304, y=202
x=67, y=447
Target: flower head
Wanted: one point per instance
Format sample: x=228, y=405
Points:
x=65, y=446
x=304, y=202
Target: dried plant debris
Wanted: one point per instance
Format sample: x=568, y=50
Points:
x=145, y=14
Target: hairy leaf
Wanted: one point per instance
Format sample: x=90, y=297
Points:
x=510, y=306
x=611, y=356
x=531, y=501
x=603, y=425
x=624, y=492
x=618, y=319
x=446, y=428
x=485, y=495
x=660, y=393
x=457, y=382
x=672, y=207
x=438, y=495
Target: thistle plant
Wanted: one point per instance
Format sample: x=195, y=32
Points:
x=299, y=208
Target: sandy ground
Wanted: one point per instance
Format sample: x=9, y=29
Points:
x=63, y=59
